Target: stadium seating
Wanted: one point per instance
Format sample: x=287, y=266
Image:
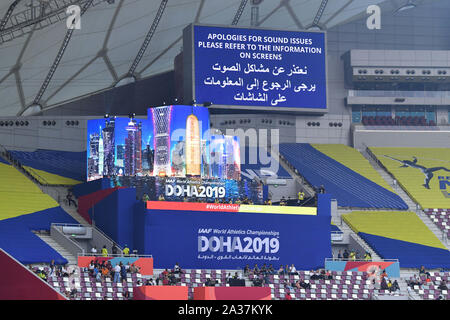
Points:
x=354, y=160
x=18, y=195
x=441, y=217
x=58, y=163
x=23, y=208
x=431, y=291
x=345, y=285
x=350, y=188
x=90, y=289
x=400, y=235
x=49, y=178
x=399, y=121
x=412, y=179
x=248, y=165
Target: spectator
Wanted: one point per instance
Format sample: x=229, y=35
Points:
x=328, y=275
x=340, y=257
x=114, y=250
x=301, y=197
x=116, y=273
x=104, y=251
x=97, y=274
x=91, y=268
x=176, y=268
x=94, y=250
x=70, y=200
x=384, y=285
x=389, y=285
x=63, y=271
x=150, y=282
x=422, y=271
x=395, y=286
x=145, y=197
x=281, y=270
x=256, y=270
x=292, y=270
x=161, y=197
x=322, y=189
x=134, y=268
x=314, y=276
x=52, y=267
x=123, y=272
x=105, y=273
x=367, y=256
x=352, y=255
x=271, y=270
x=443, y=286
x=126, y=251
x=246, y=270
x=304, y=284
x=263, y=269
x=126, y=295
x=345, y=255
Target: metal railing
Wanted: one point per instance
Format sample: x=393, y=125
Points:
x=94, y=228
x=398, y=94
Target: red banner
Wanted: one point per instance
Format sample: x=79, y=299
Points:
x=160, y=293
x=232, y=293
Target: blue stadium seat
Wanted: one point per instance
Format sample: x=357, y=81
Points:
x=64, y=163
x=348, y=187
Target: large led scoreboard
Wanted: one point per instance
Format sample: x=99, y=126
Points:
x=253, y=68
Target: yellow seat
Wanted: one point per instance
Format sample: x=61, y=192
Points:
x=354, y=160
x=18, y=195
x=413, y=179
x=404, y=226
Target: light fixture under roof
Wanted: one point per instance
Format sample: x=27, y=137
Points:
x=408, y=5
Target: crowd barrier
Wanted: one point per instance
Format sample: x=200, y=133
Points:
x=160, y=293
x=232, y=293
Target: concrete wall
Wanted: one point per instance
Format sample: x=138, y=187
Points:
x=36, y=135
x=404, y=138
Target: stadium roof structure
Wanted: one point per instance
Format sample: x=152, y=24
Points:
x=43, y=63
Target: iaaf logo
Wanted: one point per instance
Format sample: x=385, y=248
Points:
x=444, y=182
x=204, y=230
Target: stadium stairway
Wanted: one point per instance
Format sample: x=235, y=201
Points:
x=72, y=260
x=406, y=198
x=338, y=221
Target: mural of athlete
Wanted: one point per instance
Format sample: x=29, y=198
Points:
x=428, y=172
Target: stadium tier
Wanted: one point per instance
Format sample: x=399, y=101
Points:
x=50, y=178
x=441, y=217
x=56, y=167
x=350, y=188
x=90, y=289
x=345, y=285
x=431, y=290
x=24, y=208
x=423, y=172
x=400, y=235
x=354, y=160
x=257, y=162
